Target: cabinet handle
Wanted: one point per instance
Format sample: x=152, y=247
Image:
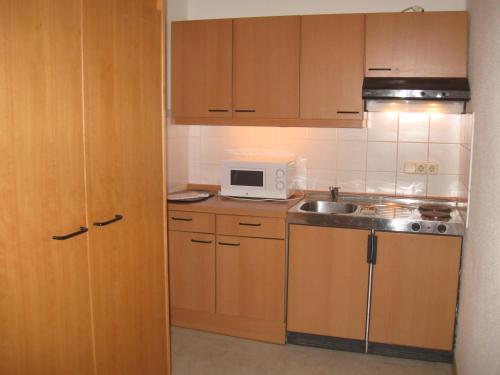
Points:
x=218, y=110
x=117, y=217
x=201, y=241
x=228, y=244
x=245, y=110
x=68, y=236
x=347, y=112
x=182, y=218
x=380, y=69
x=371, y=257
x=250, y=224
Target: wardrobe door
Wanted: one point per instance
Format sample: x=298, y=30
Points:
x=123, y=137
x=45, y=325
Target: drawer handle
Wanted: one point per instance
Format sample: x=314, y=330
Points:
x=347, y=112
x=182, y=218
x=250, y=224
x=117, y=217
x=201, y=241
x=245, y=110
x=380, y=69
x=228, y=244
x=82, y=230
x=218, y=110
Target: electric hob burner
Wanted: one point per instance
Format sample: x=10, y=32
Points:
x=435, y=211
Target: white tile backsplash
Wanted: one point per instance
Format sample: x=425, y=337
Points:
x=447, y=156
x=382, y=156
x=381, y=182
x=383, y=126
x=444, y=128
x=351, y=155
x=358, y=160
x=413, y=127
x=411, y=152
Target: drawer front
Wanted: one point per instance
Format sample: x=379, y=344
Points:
x=251, y=226
x=191, y=221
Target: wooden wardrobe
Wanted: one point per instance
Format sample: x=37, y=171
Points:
x=83, y=284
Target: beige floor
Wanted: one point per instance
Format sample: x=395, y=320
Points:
x=198, y=353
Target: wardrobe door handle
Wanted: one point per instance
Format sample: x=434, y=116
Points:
x=380, y=69
x=117, y=217
x=218, y=110
x=82, y=230
x=250, y=224
x=201, y=241
x=245, y=110
x=228, y=244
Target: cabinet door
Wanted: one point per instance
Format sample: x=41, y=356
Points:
x=430, y=44
x=251, y=278
x=266, y=67
x=415, y=290
x=327, y=281
x=45, y=325
x=192, y=271
x=123, y=131
x=202, y=68
x=331, y=70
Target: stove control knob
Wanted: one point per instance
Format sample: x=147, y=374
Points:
x=415, y=227
x=441, y=228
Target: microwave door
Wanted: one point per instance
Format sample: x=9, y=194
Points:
x=247, y=178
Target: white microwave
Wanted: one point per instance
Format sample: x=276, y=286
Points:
x=258, y=177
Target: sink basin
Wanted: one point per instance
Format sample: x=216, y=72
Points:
x=325, y=207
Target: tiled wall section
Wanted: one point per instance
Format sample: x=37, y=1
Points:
x=358, y=160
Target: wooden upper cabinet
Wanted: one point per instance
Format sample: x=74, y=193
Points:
x=415, y=286
x=416, y=44
x=331, y=70
x=266, y=67
x=202, y=68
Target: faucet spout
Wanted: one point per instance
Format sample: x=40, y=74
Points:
x=334, y=192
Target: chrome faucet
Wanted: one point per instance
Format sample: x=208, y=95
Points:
x=334, y=192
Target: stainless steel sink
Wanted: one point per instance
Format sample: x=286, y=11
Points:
x=325, y=207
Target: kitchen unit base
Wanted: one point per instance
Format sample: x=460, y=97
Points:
x=358, y=346
x=254, y=329
x=325, y=342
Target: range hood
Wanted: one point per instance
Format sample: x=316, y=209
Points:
x=443, y=95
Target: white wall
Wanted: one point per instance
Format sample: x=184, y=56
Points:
x=202, y=9
x=478, y=345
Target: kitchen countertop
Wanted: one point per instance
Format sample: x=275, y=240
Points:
x=230, y=206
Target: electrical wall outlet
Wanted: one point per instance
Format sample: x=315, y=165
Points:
x=420, y=167
x=432, y=167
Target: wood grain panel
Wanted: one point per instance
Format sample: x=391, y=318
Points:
x=192, y=271
x=191, y=221
x=327, y=281
x=202, y=57
x=123, y=127
x=251, y=226
x=415, y=290
x=430, y=44
x=45, y=325
x=332, y=66
x=266, y=67
x=250, y=278
x=255, y=329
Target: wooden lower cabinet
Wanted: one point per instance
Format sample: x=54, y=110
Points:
x=327, y=281
x=415, y=284
x=251, y=277
x=229, y=284
x=192, y=271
